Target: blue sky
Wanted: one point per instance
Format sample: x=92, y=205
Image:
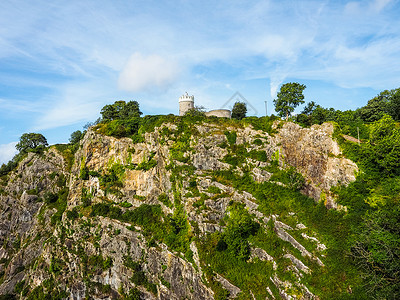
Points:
x=61, y=61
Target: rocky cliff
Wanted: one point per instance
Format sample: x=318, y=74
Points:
x=206, y=210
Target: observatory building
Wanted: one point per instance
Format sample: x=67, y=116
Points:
x=186, y=103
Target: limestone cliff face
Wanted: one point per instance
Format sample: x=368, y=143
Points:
x=24, y=226
x=314, y=153
x=88, y=247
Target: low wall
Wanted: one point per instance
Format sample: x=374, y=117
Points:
x=221, y=113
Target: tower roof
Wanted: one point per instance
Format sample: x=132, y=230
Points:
x=186, y=97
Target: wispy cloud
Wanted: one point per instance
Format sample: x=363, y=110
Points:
x=144, y=72
x=84, y=54
x=76, y=103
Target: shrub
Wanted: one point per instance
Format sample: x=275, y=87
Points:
x=214, y=190
x=231, y=137
x=165, y=199
x=147, y=165
x=72, y=214
x=50, y=197
x=257, y=142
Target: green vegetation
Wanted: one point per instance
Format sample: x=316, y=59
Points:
x=198, y=111
x=239, y=110
x=165, y=199
x=31, y=142
x=139, y=276
x=170, y=229
x=387, y=102
x=231, y=137
x=363, y=240
x=288, y=98
x=121, y=110
x=239, y=227
x=373, y=201
x=120, y=119
x=148, y=164
x=113, y=179
x=60, y=204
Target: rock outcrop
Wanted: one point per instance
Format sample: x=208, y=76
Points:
x=314, y=153
x=137, y=219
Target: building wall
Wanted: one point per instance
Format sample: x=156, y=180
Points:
x=221, y=113
x=184, y=106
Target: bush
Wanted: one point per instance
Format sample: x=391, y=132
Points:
x=147, y=165
x=50, y=198
x=231, y=137
x=165, y=199
x=240, y=225
x=72, y=214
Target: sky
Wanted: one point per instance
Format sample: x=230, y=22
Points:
x=62, y=61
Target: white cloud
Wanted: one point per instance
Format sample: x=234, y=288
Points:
x=77, y=102
x=7, y=152
x=192, y=47
x=145, y=72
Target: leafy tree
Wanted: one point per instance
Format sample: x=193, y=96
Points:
x=31, y=141
x=239, y=110
x=121, y=110
x=288, y=98
x=321, y=115
x=240, y=226
x=7, y=168
x=384, y=145
x=376, y=250
x=76, y=136
x=305, y=117
x=381, y=129
x=387, y=102
x=310, y=107
x=394, y=104
x=375, y=108
x=130, y=110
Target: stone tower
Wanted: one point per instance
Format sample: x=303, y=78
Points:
x=186, y=103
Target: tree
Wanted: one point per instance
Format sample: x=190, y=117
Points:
x=31, y=141
x=383, y=148
x=121, y=110
x=321, y=115
x=375, y=108
x=130, y=110
x=376, y=249
x=76, y=136
x=305, y=117
x=288, y=98
x=394, y=104
x=239, y=110
x=310, y=107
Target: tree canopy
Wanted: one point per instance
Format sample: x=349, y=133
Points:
x=239, y=110
x=30, y=141
x=387, y=102
x=76, y=136
x=288, y=98
x=121, y=110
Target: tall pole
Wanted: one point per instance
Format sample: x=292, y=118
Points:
x=266, y=112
